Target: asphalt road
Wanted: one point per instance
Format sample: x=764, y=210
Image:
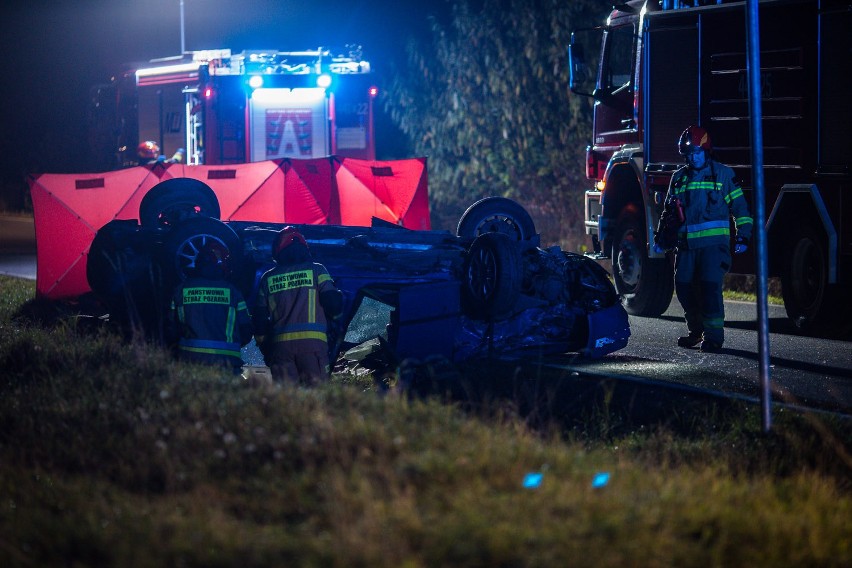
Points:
x=814, y=372
x=17, y=246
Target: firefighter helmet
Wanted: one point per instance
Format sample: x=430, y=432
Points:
x=148, y=150
x=286, y=237
x=213, y=259
x=694, y=137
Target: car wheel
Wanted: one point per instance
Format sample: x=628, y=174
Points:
x=496, y=215
x=175, y=200
x=492, y=276
x=182, y=243
x=120, y=270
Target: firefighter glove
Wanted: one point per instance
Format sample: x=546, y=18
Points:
x=740, y=246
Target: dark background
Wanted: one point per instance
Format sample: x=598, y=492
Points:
x=54, y=51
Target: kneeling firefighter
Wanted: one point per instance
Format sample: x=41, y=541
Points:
x=295, y=301
x=209, y=318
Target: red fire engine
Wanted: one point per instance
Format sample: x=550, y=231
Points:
x=660, y=66
x=230, y=108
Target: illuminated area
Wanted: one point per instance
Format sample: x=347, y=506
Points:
x=255, y=105
x=167, y=70
x=291, y=96
x=288, y=123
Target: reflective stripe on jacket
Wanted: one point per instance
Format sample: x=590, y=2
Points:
x=710, y=197
x=210, y=347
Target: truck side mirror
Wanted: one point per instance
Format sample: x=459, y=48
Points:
x=582, y=78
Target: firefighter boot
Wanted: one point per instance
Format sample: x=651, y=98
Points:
x=690, y=340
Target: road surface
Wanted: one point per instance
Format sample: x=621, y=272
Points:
x=17, y=246
x=807, y=371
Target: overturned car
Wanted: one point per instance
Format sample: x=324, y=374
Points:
x=489, y=290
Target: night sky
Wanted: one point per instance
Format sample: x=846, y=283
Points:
x=55, y=50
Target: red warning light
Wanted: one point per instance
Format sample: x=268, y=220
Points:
x=374, y=91
x=208, y=92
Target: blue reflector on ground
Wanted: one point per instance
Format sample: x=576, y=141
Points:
x=532, y=480
x=600, y=479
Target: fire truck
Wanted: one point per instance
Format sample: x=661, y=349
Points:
x=230, y=108
x=655, y=68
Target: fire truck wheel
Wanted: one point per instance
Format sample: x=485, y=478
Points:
x=182, y=243
x=809, y=300
x=644, y=284
x=491, y=277
x=496, y=215
x=170, y=202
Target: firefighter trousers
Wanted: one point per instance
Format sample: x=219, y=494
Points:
x=305, y=365
x=699, y=274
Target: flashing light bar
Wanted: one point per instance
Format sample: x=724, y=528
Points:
x=166, y=70
x=350, y=67
x=301, y=95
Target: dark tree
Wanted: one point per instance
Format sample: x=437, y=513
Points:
x=486, y=100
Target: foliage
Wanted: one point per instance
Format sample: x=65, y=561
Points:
x=113, y=454
x=488, y=103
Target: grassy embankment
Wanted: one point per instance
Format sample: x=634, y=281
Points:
x=112, y=454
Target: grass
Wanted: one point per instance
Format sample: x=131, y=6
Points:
x=743, y=288
x=112, y=454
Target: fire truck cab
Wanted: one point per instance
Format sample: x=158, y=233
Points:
x=228, y=108
x=657, y=67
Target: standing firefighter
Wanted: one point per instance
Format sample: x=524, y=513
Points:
x=209, y=316
x=707, y=196
x=294, y=302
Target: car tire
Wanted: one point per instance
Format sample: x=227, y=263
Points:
x=174, y=200
x=496, y=215
x=121, y=272
x=492, y=275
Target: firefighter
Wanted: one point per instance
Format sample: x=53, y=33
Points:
x=209, y=317
x=710, y=196
x=295, y=301
x=148, y=153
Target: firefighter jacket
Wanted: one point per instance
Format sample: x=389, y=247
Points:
x=710, y=197
x=211, y=320
x=288, y=309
